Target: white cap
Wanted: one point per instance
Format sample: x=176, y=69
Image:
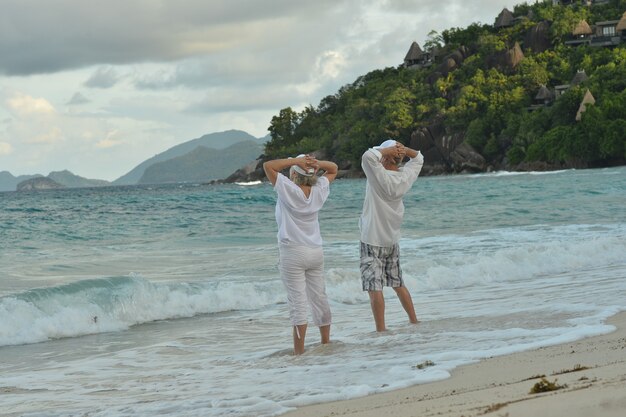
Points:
x=386, y=144
x=300, y=170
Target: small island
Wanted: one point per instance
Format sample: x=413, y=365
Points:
x=38, y=183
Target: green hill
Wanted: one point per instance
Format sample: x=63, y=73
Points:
x=217, y=140
x=71, y=180
x=501, y=96
x=202, y=164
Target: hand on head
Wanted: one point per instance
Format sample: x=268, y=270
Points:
x=400, y=150
x=307, y=162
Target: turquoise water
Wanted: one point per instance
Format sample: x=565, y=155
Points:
x=166, y=299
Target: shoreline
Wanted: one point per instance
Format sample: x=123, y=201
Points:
x=592, y=372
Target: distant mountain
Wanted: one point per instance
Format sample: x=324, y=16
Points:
x=202, y=164
x=216, y=141
x=68, y=179
x=9, y=183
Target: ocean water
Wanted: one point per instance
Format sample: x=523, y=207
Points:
x=166, y=300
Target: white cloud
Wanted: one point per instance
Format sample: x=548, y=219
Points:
x=24, y=105
x=109, y=141
x=50, y=135
x=5, y=148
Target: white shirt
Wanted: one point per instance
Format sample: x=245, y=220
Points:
x=383, y=208
x=296, y=215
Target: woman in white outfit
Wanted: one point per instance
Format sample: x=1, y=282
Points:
x=300, y=198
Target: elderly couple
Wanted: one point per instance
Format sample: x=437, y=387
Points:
x=300, y=198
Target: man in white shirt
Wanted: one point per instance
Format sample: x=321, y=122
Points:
x=383, y=211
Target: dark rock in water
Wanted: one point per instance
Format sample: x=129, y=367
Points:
x=465, y=159
x=546, y=166
x=250, y=172
x=39, y=183
x=445, y=153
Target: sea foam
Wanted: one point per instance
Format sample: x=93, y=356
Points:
x=114, y=304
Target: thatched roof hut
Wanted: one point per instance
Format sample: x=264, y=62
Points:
x=582, y=29
x=504, y=19
x=415, y=56
x=544, y=94
x=587, y=99
x=580, y=77
x=621, y=25
x=415, y=52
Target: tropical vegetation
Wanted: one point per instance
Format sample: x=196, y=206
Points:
x=486, y=102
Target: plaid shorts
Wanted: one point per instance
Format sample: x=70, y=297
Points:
x=380, y=266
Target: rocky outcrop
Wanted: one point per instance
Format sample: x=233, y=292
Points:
x=250, y=172
x=254, y=170
x=507, y=60
x=39, y=183
x=537, y=39
x=513, y=57
x=449, y=64
x=464, y=158
x=446, y=153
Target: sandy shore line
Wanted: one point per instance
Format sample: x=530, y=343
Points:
x=592, y=372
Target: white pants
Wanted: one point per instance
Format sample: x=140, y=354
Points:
x=302, y=272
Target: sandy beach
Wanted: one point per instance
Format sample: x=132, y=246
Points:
x=591, y=373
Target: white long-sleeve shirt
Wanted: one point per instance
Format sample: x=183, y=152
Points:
x=296, y=214
x=383, y=208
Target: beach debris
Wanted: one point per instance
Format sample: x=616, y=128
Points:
x=576, y=368
x=424, y=364
x=545, y=386
x=534, y=377
x=495, y=407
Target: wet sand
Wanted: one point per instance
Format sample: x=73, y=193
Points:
x=591, y=373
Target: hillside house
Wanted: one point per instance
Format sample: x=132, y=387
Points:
x=581, y=34
x=417, y=58
x=606, y=34
x=579, y=78
x=602, y=34
x=583, y=2
x=544, y=98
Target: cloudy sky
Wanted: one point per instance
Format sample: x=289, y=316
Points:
x=98, y=87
